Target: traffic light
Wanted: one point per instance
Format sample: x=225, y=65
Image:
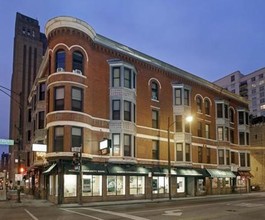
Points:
x=76, y=159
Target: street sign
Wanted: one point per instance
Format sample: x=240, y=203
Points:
x=6, y=142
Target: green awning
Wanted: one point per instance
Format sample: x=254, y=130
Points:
x=125, y=169
x=94, y=168
x=188, y=172
x=49, y=169
x=221, y=173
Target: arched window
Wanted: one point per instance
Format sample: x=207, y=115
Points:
x=78, y=62
x=154, y=87
x=60, y=61
x=199, y=104
x=207, y=107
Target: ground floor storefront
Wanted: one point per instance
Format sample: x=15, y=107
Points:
x=110, y=182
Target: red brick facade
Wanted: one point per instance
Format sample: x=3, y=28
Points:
x=100, y=55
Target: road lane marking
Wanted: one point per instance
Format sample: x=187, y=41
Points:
x=31, y=215
x=116, y=213
x=78, y=213
x=176, y=212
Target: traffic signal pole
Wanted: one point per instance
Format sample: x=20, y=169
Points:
x=80, y=178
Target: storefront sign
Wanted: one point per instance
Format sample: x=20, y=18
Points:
x=39, y=147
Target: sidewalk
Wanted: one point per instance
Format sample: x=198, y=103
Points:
x=31, y=202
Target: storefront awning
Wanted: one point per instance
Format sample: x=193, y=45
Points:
x=94, y=168
x=188, y=172
x=124, y=169
x=221, y=173
x=245, y=174
x=50, y=168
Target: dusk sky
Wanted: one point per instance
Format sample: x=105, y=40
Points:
x=208, y=38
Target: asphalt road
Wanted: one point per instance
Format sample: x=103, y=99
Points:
x=249, y=207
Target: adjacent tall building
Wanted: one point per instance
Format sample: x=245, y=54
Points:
x=250, y=86
x=127, y=113
x=29, y=47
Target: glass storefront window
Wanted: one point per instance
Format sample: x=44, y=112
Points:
x=115, y=185
x=200, y=185
x=180, y=184
x=92, y=185
x=214, y=182
x=137, y=185
x=227, y=182
x=56, y=185
x=70, y=185
x=160, y=184
x=51, y=185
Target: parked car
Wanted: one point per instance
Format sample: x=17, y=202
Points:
x=255, y=188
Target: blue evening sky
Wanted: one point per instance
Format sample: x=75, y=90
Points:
x=208, y=38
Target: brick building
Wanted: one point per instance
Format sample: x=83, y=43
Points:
x=99, y=91
x=29, y=47
x=257, y=151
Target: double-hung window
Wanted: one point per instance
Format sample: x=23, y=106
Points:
x=58, y=139
x=76, y=137
x=41, y=91
x=60, y=61
x=41, y=120
x=179, y=152
x=155, y=150
x=178, y=96
x=155, y=119
x=127, y=78
x=78, y=62
x=59, y=98
x=116, y=110
x=127, y=111
x=116, y=77
x=221, y=157
x=77, y=99
x=127, y=145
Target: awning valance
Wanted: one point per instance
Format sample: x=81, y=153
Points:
x=188, y=172
x=221, y=173
x=49, y=169
x=245, y=174
x=94, y=168
x=124, y=169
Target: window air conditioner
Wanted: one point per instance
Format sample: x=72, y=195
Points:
x=77, y=71
x=60, y=69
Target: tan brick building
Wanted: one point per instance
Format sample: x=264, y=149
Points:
x=98, y=89
x=257, y=142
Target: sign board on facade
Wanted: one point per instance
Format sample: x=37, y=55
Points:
x=39, y=147
x=6, y=142
x=76, y=149
x=18, y=177
x=104, y=144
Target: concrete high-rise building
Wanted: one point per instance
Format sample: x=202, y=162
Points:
x=29, y=47
x=250, y=86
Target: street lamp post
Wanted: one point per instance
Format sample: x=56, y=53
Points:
x=169, y=161
x=188, y=119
